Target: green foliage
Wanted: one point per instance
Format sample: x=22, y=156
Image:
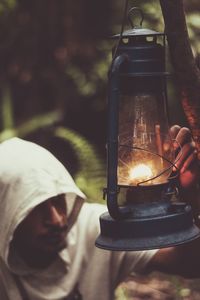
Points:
x=7, y=111
x=8, y=126
x=91, y=175
x=9, y=129
x=30, y=126
x=6, y=5
x=38, y=122
x=193, y=23
x=84, y=86
x=194, y=20
x=88, y=82
x=8, y=123
x=121, y=293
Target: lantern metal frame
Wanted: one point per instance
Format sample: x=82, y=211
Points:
x=159, y=222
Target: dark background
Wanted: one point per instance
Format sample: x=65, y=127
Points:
x=54, y=59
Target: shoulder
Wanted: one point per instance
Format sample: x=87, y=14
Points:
x=84, y=233
x=92, y=209
x=88, y=219
x=128, y=261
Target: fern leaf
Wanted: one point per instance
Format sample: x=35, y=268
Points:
x=91, y=176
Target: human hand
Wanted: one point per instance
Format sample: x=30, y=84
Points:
x=186, y=157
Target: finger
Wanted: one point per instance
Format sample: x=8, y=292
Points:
x=189, y=161
x=186, y=151
x=174, y=131
x=184, y=136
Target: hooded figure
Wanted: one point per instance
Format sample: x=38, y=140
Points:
x=30, y=176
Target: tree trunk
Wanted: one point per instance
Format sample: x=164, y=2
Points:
x=186, y=71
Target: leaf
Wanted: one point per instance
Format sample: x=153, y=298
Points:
x=7, y=134
x=91, y=175
x=7, y=5
x=7, y=110
x=38, y=122
x=194, y=20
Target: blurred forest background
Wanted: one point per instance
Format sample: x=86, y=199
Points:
x=54, y=59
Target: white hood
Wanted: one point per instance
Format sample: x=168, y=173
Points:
x=29, y=175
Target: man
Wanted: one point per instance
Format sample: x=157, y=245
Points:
x=47, y=233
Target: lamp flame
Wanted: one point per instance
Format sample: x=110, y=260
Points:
x=140, y=173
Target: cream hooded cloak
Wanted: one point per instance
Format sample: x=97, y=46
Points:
x=29, y=175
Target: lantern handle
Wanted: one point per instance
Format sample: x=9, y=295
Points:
x=131, y=12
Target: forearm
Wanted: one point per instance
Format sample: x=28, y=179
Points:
x=182, y=260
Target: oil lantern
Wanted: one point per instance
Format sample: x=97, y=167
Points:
x=142, y=213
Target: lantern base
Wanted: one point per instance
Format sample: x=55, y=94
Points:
x=169, y=227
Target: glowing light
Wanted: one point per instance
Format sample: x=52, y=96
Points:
x=140, y=173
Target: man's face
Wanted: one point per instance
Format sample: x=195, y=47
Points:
x=44, y=229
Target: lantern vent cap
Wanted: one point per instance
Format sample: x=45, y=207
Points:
x=134, y=32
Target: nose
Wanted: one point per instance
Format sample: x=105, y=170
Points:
x=54, y=217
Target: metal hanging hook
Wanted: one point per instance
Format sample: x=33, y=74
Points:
x=130, y=16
